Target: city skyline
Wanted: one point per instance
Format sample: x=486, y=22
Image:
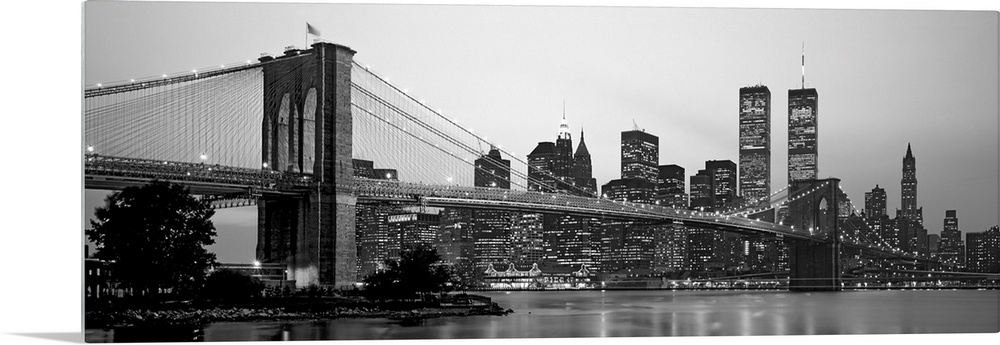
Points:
x=869, y=89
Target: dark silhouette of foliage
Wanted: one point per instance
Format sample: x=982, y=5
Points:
x=416, y=273
x=231, y=286
x=156, y=237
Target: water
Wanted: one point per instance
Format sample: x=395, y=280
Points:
x=641, y=313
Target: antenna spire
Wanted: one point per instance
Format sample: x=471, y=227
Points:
x=564, y=108
x=803, y=64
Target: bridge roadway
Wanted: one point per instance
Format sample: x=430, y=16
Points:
x=226, y=184
x=529, y=201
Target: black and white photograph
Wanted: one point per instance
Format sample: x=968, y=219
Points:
x=257, y=171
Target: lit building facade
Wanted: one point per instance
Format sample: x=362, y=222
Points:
x=951, y=250
x=631, y=190
x=724, y=186
x=541, y=167
x=640, y=155
x=803, y=122
x=910, y=209
x=755, y=143
x=670, y=187
x=983, y=251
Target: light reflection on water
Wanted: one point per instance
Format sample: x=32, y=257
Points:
x=661, y=313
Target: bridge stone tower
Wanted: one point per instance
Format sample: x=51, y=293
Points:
x=815, y=266
x=307, y=129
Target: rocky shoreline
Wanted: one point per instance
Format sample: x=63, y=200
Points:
x=132, y=317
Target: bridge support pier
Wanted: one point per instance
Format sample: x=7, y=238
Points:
x=307, y=129
x=813, y=266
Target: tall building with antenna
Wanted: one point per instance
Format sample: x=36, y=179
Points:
x=803, y=131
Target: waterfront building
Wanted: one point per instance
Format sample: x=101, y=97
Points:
x=535, y=278
x=491, y=229
x=627, y=248
x=527, y=243
x=803, y=123
x=983, y=251
x=670, y=187
x=411, y=228
x=374, y=240
x=575, y=241
x=951, y=250
x=755, y=143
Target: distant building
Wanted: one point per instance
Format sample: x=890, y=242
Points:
x=374, y=240
x=640, y=155
x=879, y=223
x=983, y=251
x=541, y=167
x=526, y=239
x=701, y=192
x=631, y=190
x=875, y=202
x=910, y=209
x=933, y=244
x=535, y=278
x=491, y=229
x=755, y=143
x=670, y=187
x=412, y=228
x=582, y=171
x=725, y=189
x=803, y=123
x=492, y=170
x=627, y=247
x=951, y=250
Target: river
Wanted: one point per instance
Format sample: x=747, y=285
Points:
x=639, y=314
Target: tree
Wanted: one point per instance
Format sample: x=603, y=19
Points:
x=231, y=286
x=156, y=237
x=415, y=273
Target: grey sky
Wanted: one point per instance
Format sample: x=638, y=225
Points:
x=884, y=78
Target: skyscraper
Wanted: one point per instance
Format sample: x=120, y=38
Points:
x=755, y=143
x=670, y=187
x=875, y=202
x=541, y=167
x=640, y=155
x=909, y=190
x=491, y=237
x=951, y=250
x=492, y=170
x=876, y=218
x=803, y=122
x=983, y=251
x=563, y=167
x=724, y=187
x=583, y=170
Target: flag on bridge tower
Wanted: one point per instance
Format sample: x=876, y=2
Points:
x=312, y=29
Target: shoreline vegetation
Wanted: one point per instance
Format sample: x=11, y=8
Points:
x=283, y=309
